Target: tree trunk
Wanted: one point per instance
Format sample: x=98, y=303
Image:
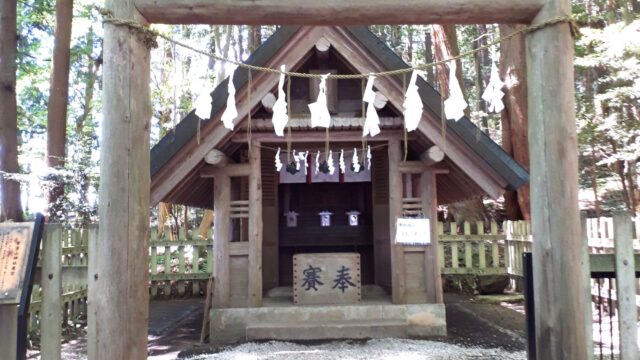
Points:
x=10, y=206
x=479, y=64
x=255, y=37
x=410, y=44
x=514, y=118
x=446, y=46
x=594, y=179
x=86, y=133
x=58, y=99
x=428, y=57
x=445, y=43
x=224, y=52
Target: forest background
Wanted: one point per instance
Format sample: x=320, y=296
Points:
x=49, y=139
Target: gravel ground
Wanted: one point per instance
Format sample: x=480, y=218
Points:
x=373, y=349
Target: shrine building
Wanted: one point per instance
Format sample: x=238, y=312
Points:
x=315, y=250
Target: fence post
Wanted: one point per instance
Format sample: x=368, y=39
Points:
x=625, y=279
x=92, y=294
x=529, y=306
x=51, y=280
x=586, y=277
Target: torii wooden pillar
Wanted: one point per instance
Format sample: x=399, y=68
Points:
x=118, y=290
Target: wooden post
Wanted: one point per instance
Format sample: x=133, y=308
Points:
x=51, y=282
x=558, y=249
x=586, y=277
x=92, y=292
x=626, y=287
x=395, y=211
x=255, y=226
x=9, y=330
x=221, y=237
x=430, y=211
x=121, y=276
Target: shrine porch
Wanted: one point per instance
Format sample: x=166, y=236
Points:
x=374, y=317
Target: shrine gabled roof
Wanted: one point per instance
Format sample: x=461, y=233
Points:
x=478, y=146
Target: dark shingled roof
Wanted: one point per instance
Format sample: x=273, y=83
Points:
x=507, y=168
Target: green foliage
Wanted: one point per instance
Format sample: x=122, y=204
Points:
x=608, y=104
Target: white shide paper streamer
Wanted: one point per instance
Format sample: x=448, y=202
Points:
x=372, y=121
x=278, y=162
x=280, y=116
x=320, y=116
x=231, y=112
x=454, y=106
x=493, y=93
x=412, y=104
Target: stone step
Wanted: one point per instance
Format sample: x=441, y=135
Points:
x=326, y=330
x=341, y=313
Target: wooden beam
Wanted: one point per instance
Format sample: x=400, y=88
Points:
x=216, y=157
x=380, y=100
x=558, y=252
x=232, y=170
x=418, y=167
x=398, y=283
x=338, y=12
x=429, y=196
x=433, y=155
x=255, y=226
x=268, y=101
x=320, y=136
x=122, y=274
x=221, y=238
x=411, y=167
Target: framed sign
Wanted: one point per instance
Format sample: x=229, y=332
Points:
x=19, y=247
x=412, y=231
x=15, y=241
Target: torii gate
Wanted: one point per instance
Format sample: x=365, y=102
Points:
x=118, y=285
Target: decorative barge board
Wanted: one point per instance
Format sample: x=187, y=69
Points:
x=264, y=219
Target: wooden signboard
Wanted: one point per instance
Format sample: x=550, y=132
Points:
x=19, y=245
x=15, y=241
x=326, y=278
x=412, y=231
